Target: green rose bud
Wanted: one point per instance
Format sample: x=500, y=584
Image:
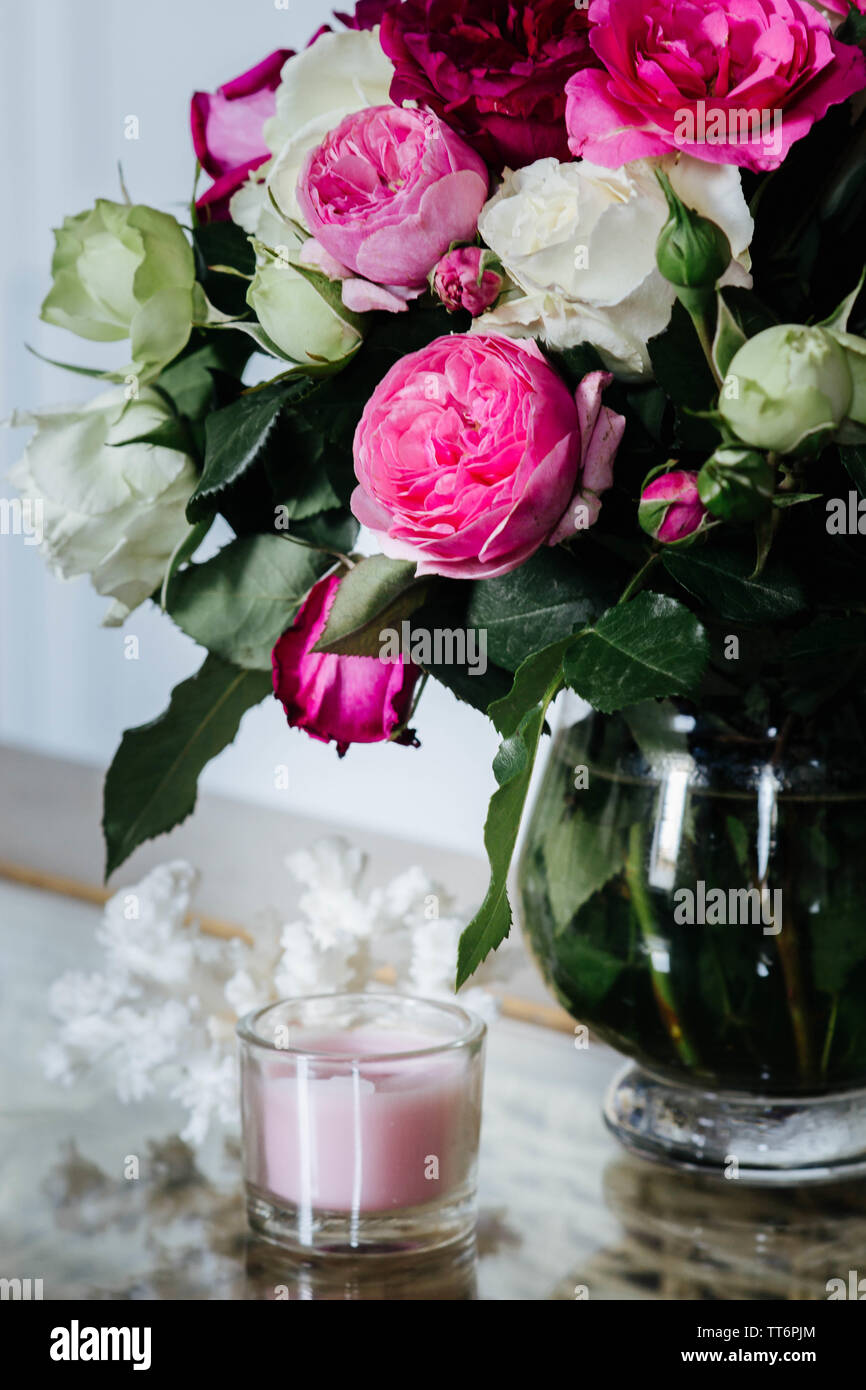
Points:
x=302, y=311
x=124, y=272
x=855, y=355
x=692, y=252
x=736, y=484
x=787, y=389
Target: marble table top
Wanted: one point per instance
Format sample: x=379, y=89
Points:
x=564, y=1213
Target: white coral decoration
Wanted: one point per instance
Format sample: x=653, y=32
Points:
x=160, y=1016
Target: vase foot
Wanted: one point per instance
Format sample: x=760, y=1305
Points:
x=755, y=1140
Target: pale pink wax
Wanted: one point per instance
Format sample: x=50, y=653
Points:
x=378, y=1136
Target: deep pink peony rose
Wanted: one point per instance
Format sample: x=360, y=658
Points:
x=227, y=130
x=472, y=453
x=495, y=70
x=689, y=75
x=350, y=699
x=388, y=191
x=462, y=281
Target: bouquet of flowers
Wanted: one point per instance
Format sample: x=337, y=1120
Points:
x=561, y=302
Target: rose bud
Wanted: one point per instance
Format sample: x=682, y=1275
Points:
x=469, y=277
x=670, y=509
x=692, y=252
x=350, y=699
x=736, y=484
x=788, y=389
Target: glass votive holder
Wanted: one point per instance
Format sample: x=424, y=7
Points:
x=361, y=1117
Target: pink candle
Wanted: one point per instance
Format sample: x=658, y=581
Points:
x=363, y=1107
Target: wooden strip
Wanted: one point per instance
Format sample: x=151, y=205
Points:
x=523, y=1010
x=96, y=894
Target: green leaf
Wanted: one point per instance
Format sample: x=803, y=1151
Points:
x=183, y=551
x=189, y=381
x=641, y=650
x=538, y=603
x=826, y=638
x=854, y=459
x=580, y=857
x=376, y=593
x=471, y=686
x=722, y=578
x=170, y=434
x=152, y=783
x=533, y=677
x=512, y=768
x=239, y=603
x=728, y=340
x=235, y=438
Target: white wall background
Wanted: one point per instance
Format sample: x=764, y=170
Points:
x=70, y=72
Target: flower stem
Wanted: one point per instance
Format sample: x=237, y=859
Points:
x=661, y=980
x=637, y=580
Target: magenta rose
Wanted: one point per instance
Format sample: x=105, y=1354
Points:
x=494, y=70
x=670, y=507
x=730, y=83
x=472, y=453
x=227, y=130
x=388, y=191
x=367, y=14
x=463, y=280
x=350, y=699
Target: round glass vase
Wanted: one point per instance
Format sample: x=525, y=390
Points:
x=697, y=897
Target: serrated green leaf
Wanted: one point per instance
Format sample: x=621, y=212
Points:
x=512, y=768
x=235, y=438
x=723, y=579
x=646, y=649
x=239, y=603
x=152, y=783
x=537, y=604
x=533, y=677
x=376, y=593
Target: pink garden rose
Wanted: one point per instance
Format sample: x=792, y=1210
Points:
x=388, y=191
x=702, y=76
x=462, y=280
x=670, y=507
x=472, y=453
x=350, y=699
x=495, y=70
x=227, y=130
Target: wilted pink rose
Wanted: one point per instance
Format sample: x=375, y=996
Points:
x=350, y=699
x=389, y=190
x=732, y=84
x=670, y=507
x=495, y=70
x=472, y=453
x=227, y=130
x=462, y=281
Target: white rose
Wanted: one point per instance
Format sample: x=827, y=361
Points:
x=341, y=73
x=579, y=243
x=115, y=513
